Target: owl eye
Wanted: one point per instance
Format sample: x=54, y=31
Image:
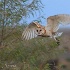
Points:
x=37, y=30
x=40, y=30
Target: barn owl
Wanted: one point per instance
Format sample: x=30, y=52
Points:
x=35, y=29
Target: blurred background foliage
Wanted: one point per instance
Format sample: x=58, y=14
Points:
x=16, y=54
x=12, y=11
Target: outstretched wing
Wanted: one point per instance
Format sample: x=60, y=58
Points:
x=54, y=21
x=30, y=31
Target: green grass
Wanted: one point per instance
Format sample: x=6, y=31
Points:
x=27, y=55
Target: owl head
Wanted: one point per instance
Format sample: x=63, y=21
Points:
x=40, y=31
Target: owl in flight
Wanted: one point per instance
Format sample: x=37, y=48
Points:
x=35, y=29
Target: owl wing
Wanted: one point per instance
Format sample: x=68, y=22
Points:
x=54, y=21
x=30, y=31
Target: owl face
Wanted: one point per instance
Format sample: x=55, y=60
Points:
x=40, y=31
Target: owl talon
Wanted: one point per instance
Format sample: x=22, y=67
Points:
x=58, y=43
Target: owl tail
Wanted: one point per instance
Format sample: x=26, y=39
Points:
x=58, y=34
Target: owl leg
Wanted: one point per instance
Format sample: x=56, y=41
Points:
x=57, y=35
x=57, y=40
